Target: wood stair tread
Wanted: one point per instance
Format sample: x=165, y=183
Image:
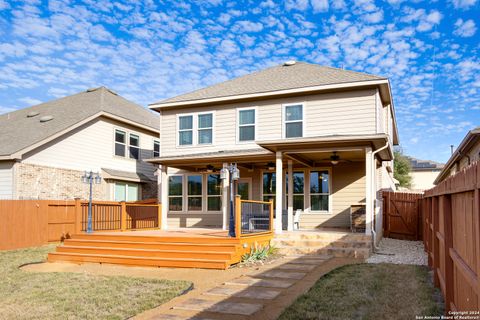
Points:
x=227, y=245
x=145, y=250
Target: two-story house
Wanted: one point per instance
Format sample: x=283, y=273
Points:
x=317, y=140
x=45, y=149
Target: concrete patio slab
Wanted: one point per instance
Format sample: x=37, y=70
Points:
x=239, y=308
x=269, y=283
x=242, y=292
x=282, y=274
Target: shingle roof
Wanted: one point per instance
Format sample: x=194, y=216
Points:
x=280, y=77
x=419, y=165
x=17, y=131
x=125, y=175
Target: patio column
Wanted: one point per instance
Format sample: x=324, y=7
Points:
x=368, y=191
x=164, y=195
x=225, y=185
x=290, y=196
x=279, y=193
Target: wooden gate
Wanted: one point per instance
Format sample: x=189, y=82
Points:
x=402, y=215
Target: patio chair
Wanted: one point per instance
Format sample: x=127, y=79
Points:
x=296, y=219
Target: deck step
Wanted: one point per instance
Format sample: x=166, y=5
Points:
x=156, y=239
x=327, y=236
x=197, y=254
x=322, y=243
x=361, y=253
x=127, y=244
x=138, y=261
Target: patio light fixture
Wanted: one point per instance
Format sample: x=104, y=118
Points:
x=270, y=166
x=233, y=176
x=90, y=178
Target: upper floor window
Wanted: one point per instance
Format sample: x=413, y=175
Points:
x=205, y=128
x=120, y=143
x=134, y=146
x=156, y=148
x=293, y=121
x=246, y=125
x=185, y=130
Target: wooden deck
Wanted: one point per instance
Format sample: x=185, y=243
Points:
x=184, y=248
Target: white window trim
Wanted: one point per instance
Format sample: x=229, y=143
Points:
x=206, y=195
x=261, y=182
x=284, y=117
x=127, y=144
x=194, y=129
x=153, y=150
x=304, y=171
x=182, y=196
x=126, y=183
x=330, y=195
x=187, y=196
x=255, y=125
x=124, y=144
x=138, y=147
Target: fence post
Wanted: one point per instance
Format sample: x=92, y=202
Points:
x=448, y=243
x=270, y=204
x=123, y=215
x=159, y=213
x=435, y=245
x=238, y=217
x=78, y=215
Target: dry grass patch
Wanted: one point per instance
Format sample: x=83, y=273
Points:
x=368, y=291
x=28, y=295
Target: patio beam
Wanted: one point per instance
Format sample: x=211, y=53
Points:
x=300, y=159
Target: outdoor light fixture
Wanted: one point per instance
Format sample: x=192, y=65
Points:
x=271, y=166
x=90, y=178
x=210, y=168
x=233, y=176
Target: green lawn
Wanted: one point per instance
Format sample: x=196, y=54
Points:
x=368, y=291
x=27, y=295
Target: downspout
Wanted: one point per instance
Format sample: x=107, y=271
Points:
x=373, y=191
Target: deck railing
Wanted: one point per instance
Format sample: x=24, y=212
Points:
x=118, y=216
x=253, y=217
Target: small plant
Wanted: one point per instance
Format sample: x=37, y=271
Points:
x=259, y=253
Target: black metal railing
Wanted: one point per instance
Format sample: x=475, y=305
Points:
x=255, y=217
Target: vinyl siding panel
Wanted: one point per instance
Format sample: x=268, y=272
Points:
x=91, y=147
x=340, y=113
x=6, y=179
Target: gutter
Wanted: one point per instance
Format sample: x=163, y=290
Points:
x=373, y=191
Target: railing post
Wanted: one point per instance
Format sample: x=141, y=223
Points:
x=238, y=217
x=270, y=204
x=78, y=215
x=123, y=215
x=159, y=212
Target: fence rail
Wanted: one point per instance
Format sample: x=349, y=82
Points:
x=451, y=230
x=253, y=217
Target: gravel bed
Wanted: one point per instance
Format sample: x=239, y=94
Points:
x=399, y=252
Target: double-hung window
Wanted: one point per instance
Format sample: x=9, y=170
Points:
x=175, y=193
x=134, y=146
x=246, y=125
x=269, y=186
x=319, y=190
x=205, y=128
x=156, y=148
x=293, y=121
x=194, y=193
x=120, y=143
x=214, y=192
x=185, y=130
x=298, y=190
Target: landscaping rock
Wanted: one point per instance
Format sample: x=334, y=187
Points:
x=399, y=252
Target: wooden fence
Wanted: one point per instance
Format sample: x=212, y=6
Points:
x=402, y=215
x=27, y=223
x=451, y=230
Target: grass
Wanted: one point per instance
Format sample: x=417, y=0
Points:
x=368, y=291
x=28, y=295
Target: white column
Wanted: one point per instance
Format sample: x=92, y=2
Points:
x=290, y=196
x=279, y=193
x=368, y=191
x=164, y=195
x=225, y=202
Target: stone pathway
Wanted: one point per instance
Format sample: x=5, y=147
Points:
x=244, y=296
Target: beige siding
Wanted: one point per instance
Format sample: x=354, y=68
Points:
x=91, y=147
x=423, y=180
x=325, y=114
x=6, y=179
x=194, y=220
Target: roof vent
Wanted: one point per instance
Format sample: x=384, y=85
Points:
x=46, y=118
x=32, y=114
x=289, y=63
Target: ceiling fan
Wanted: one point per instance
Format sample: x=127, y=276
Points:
x=335, y=158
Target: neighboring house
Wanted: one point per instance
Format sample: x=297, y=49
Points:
x=423, y=173
x=466, y=153
x=332, y=130
x=45, y=149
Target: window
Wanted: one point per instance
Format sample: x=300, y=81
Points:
x=120, y=143
x=246, y=125
x=156, y=148
x=298, y=190
x=319, y=190
x=134, y=146
x=194, y=193
x=269, y=186
x=293, y=121
x=175, y=193
x=214, y=192
x=205, y=128
x=185, y=130
x=126, y=191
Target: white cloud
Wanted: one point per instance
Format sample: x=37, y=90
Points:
x=428, y=21
x=464, y=4
x=374, y=17
x=319, y=5
x=465, y=29
x=30, y=101
x=249, y=26
x=6, y=109
x=4, y=5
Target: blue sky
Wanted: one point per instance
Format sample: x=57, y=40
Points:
x=147, y=51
